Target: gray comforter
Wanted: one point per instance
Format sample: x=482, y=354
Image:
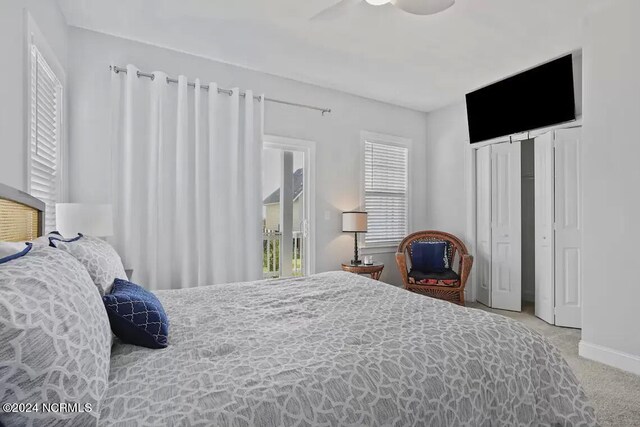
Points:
x=338, y=349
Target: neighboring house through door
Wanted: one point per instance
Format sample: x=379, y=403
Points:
x=272, y=205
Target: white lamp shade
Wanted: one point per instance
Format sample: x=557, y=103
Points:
x=354, y=222
x=89, y=219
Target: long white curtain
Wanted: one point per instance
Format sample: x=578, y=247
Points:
x=186, y=185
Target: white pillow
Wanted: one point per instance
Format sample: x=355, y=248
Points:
x=99, y=258
x=8, y=249
x=40, y=242
x=55, y=340
x=11, y=248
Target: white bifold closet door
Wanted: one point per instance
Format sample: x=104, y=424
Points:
x=544, y=219
x=506, y=227
x=483, y=226
x=568, y=224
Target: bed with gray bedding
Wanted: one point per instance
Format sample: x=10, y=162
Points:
x=338, y=349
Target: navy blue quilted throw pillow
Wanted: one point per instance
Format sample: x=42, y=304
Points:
x=136, y=315
x=429, y=257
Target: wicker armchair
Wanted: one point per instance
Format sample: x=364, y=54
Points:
x=448, y=286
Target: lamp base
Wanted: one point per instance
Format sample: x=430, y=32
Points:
x=356, y=259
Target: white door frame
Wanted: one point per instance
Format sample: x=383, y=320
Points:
x=506, y=226
x=545, y=286
x=471, y=197
x=471, y=186
x=482, y=260
x=309, y=183
x=568, y=228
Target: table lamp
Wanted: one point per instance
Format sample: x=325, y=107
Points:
x=354, y=222
x=90, y=219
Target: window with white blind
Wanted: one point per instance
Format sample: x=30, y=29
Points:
x=385, y=192
x=45, y=135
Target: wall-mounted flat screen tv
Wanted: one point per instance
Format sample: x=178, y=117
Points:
x=542, y=96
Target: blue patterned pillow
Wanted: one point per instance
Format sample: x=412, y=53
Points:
x=136, y=315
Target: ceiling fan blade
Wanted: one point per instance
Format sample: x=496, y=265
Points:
x=339, y=9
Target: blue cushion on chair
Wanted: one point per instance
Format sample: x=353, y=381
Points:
x=429, y=257
x=136, y=315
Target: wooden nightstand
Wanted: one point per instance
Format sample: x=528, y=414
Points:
x=375, y=270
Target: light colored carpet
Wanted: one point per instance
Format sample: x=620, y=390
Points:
x=614, y=394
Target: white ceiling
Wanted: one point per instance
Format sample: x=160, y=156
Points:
x=421, y=62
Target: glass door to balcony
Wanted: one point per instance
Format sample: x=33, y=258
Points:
x=284, y=212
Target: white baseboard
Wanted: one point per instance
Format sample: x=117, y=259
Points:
x=617, y=359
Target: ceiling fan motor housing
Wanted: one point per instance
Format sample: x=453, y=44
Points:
x=423, y=7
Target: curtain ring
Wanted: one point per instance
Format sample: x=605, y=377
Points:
x=153, y=77
x=230, y=92
x=138, y=73
x=168, y=80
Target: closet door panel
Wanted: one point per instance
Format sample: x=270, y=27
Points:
x=483, y=226
x=544, y=219
x=506, y=261
x=568, y=223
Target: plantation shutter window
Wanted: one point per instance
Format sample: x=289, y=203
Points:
x=45, y=135
x=385, y=195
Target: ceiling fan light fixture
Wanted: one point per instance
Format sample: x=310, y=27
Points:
x=377, y=2
x=423, y=7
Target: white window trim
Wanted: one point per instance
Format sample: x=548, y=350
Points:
x=33, y=36
x=398, y=141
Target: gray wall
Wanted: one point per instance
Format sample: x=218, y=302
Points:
x=13, y=46
x=337, y=134
x=611, y=206
x=448, y=139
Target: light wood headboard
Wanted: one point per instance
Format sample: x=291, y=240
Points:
x=21, y=215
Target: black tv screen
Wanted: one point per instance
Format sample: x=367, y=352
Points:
x=542, y=96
